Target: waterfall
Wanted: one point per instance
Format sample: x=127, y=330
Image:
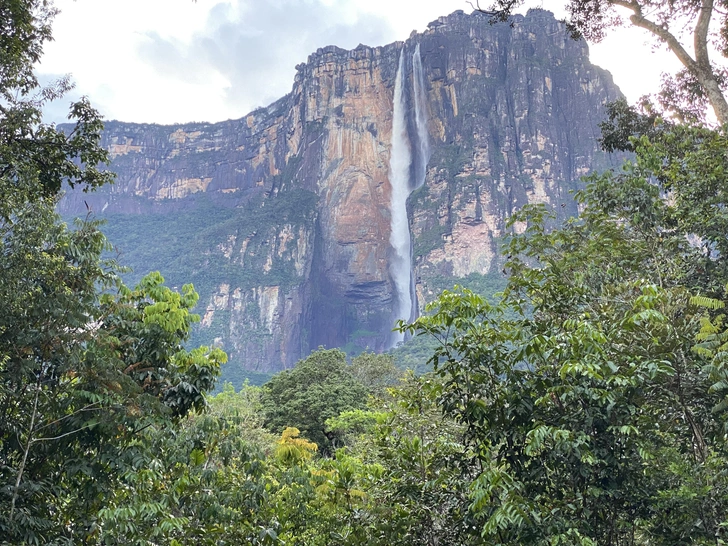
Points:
x=400, y=173
x=423, y=143
x=400, y=266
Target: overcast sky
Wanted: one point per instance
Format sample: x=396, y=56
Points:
x=175, y=61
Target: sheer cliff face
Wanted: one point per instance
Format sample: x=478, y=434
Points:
x=296, y=240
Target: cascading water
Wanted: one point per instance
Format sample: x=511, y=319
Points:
x=400, y=266
x=400, y=170
x=423, y=142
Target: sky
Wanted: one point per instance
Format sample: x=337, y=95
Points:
x=177, y=61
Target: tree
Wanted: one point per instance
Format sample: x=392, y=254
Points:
x=596, y=415
x=82, y=374
x=36, y=159
x=86, y=364
x=316, y=389
x=374, y=371
x=207, y=481
x=421, y=496
x=703, y=79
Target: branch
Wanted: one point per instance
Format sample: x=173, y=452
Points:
x=25, y=452
x=51, y=438
x=498, y=14
x=137, y=431
x=89, y=407
x=661, y=32
x=701, y=35
x=700, y=66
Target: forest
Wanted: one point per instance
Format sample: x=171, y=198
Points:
x=585, y=405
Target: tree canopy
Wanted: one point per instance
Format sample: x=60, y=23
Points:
x=86, y=363
x=593, y=392
x=318, y=388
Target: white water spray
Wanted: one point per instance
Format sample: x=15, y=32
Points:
x=423, y=142
x=400, y=168
x=400, y=267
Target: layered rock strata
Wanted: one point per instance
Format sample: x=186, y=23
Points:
x=290, y=206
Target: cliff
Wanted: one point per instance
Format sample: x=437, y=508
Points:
x=284, y=219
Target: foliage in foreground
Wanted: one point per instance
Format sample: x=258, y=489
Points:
x=593, y=393
x=82, y=374
x=222, y=477
x=86, y=363
x=587, y=406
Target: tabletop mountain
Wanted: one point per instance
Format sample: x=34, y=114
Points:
x=385, y=174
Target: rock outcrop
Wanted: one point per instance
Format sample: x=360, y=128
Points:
x=282, y=218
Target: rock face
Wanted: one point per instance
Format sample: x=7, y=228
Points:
x=282, y=218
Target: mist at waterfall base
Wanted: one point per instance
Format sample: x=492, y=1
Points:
x=407, y=169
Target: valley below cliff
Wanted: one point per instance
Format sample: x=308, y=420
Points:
x=385, y=175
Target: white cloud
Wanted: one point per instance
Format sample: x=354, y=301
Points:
x=170, y=61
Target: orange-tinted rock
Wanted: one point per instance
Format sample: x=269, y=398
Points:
x=513, y=115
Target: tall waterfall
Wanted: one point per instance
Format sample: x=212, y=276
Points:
x=423, y=142
x=400, y=266
x=404, y=178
